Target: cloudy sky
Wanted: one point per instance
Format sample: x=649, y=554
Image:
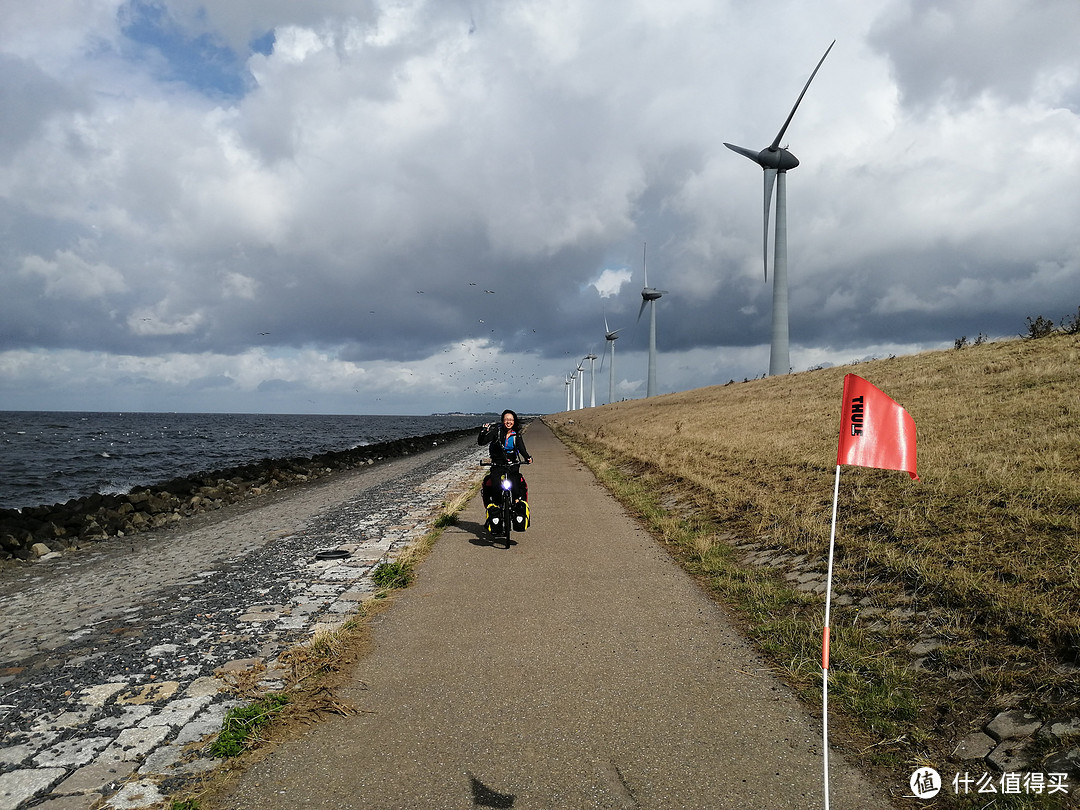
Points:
x=410, y=206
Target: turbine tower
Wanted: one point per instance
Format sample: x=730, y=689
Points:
x=610, y=335
x=649, y=296
x=776, y=161
x=592, y=379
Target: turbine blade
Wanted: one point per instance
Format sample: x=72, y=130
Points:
x=606, y=328
x=644, y=301
x=742, y=150
x=770, y=180
x=644, y=266
x=783, y=129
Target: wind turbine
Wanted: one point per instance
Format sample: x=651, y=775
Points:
x=581, y=384
x=567, y=381
x=649, y=295
x=776, y=161
x=610, y=335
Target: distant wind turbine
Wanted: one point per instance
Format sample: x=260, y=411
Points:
x=776, y=161
x=649, y=296
x=610, y=335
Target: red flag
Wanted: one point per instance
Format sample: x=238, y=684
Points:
x=874, y=430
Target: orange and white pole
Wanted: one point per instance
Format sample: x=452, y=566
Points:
x=825, y=645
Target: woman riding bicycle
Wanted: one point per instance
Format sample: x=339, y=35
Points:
x=505, y=446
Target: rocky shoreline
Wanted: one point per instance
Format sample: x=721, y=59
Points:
x=35, y=532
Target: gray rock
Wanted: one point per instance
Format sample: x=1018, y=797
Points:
x=17, y=787
x=974, y=746
x=143, y=793
x=1009, y=756
x=1013, y=724
x=97, y=776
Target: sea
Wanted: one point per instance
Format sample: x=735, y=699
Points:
x=49, y=457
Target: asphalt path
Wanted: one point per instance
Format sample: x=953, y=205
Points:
x=579, y=667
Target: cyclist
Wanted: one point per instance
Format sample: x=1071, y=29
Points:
x=505, y=446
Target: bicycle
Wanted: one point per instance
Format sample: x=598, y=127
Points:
x=506, y=516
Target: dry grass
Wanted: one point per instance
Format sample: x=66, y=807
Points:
x=982, y=554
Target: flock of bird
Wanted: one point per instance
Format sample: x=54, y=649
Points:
x=476, y=367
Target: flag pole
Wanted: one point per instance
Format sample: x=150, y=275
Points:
x=825, y=645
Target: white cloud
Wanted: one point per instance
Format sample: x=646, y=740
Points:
x=611, y=281
x=71, y=276
x=237, y=285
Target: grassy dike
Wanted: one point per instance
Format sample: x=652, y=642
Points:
x=954, y=598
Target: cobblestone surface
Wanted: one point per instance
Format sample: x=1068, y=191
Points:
x=1005, y=741
x=108, y=662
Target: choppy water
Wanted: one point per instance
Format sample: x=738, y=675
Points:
x=50, y=457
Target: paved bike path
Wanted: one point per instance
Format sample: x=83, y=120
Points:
x=580, y=668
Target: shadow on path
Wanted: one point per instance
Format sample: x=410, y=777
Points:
x=483, y=796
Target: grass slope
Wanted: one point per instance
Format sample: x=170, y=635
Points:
x=955, y=597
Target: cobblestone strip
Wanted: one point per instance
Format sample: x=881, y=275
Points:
x=1005, y=742
x=111, y=707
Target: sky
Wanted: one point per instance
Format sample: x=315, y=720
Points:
x=427, y=206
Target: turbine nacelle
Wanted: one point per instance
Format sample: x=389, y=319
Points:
x=609, y=333
x=775, y=158
x=648, y=296
x=647, y=293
